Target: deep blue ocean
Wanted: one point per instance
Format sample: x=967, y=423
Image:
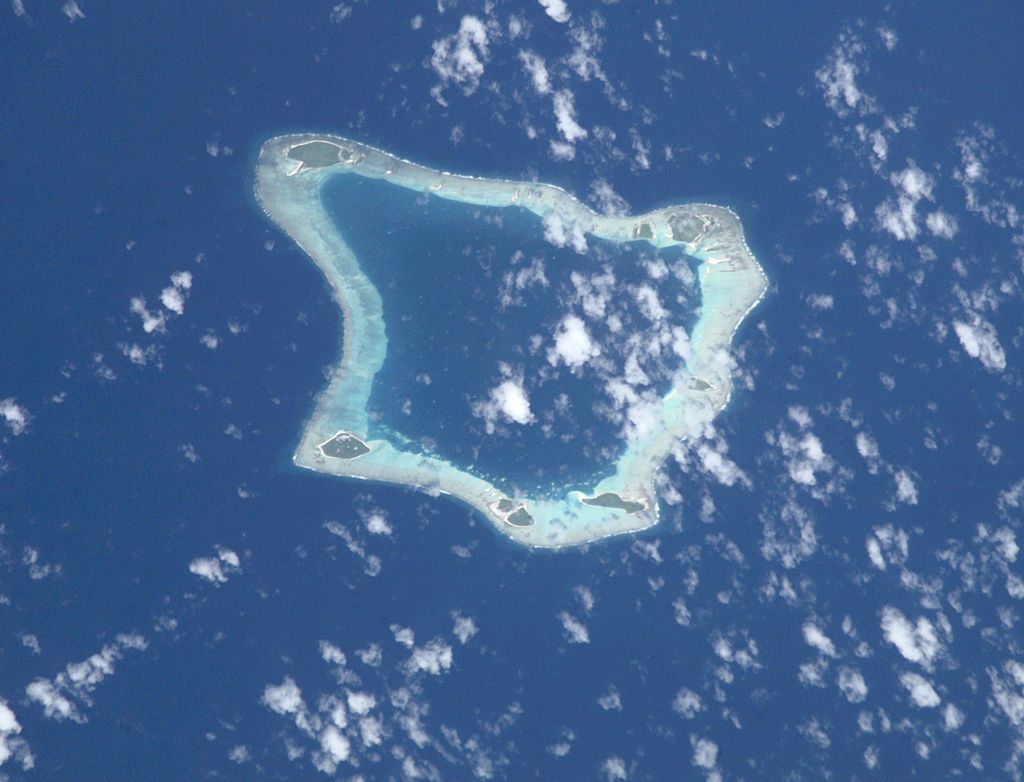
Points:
x=849, y=608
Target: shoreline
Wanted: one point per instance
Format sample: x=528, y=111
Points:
x=290, y=172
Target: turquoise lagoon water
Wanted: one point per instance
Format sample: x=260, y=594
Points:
x=440, y=267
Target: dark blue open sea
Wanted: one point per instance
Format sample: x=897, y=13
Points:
x=835, y=589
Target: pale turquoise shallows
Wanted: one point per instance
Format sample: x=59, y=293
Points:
x=290, y=173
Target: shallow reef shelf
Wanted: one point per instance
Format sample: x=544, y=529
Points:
x=290, y=173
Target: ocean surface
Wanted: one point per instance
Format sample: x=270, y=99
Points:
x=835, y=589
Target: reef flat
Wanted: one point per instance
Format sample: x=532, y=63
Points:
x=337, y=437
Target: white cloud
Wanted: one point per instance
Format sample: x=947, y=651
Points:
x=537, y=69
x=561, y=150
x=980, y=193
x=820, y=301
x=11, y=744
x=952, y=718
x=917, y=641
x=464, y=627
x=899, y=217
x=512, y=401
x=16, y=416
x=611, y=700
x=614, y=768
x=573, y=344
x=906, y=491
x=1008, y=690
x=151, y=321
x=564, y=106
x=331, y=653
x=922, y=693
x=556, y=9
x=888, y=36
x=72, y=11
x=914, y=182
x=562, y=230
x=887, y=545
x=607, y=200
x=942, y=224
x=284, y=698
x=838, y=77
x=705, y=752
x=435, y=657
x=216, y=569
x=360, y=702
x=814, y=636
x=459, y=58
x=335, y=746
x=240, y=754
x=575, y=630
x=173, y=298
x=62, y=697
x=789, y=535
x=687, y=703
x=867, y=447
x=805, y=457
x=852, y=684
x=376, y=523
x=980, y=340
x=714, y=462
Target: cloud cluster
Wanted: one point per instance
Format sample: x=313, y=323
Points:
x=216, y=569
x=64, y=696
x=172, y=298
x=460, y=58
x=917, y=641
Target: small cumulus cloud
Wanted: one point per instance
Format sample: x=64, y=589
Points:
x=815, y=637
x=464, y=627
x=981, y=341
x=508, y=402
x=556, y=9
x=942, y=224
x=917, y=641
x=537, y=69
x=152, y=320
x=906, y=489
x=852, y=685
x=922, y=692
x=573, y=346
x=564, y=105
x=216, y=569
x=12, y=746
x=16, y=416
x=173, y=297
x=614, y=769
x=705, y=753
x=687, y=704
x=460, y=58
x=575, y=631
